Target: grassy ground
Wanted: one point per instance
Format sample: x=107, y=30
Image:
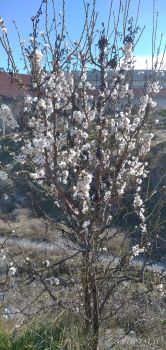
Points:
x=67, y=334
x=50, y=336
x=24, y=224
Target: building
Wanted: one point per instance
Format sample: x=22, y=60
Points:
x=12, y=91
x=9, y=87
x=138, y=83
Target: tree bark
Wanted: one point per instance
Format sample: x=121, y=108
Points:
x=95, y=320
x=90, y=301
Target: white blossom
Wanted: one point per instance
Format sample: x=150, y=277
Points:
x=12, y=271
x=136, y=250
x=3, y=175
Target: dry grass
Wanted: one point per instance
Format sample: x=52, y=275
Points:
x=23, y=224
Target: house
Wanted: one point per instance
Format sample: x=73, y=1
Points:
x=11, y=87
x=13, y=90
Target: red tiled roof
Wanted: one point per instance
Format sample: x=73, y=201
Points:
x=16, y=86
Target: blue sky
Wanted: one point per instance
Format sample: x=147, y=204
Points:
x=22, y=10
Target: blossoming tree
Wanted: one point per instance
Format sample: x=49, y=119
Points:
x=87, y=142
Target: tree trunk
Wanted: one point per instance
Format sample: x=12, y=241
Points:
x=90, y=301
x=86, y=291
x=95, y=320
